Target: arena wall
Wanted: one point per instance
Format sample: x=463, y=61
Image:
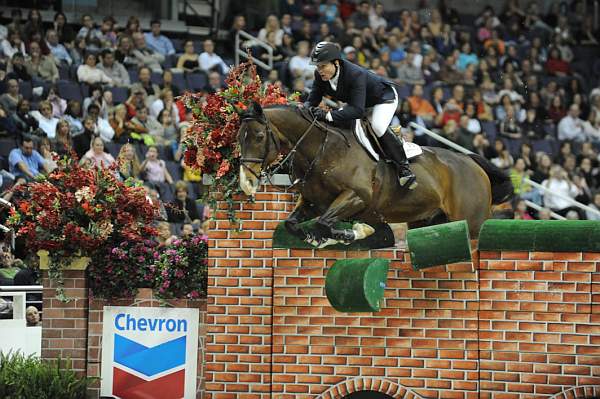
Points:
x=508, y=325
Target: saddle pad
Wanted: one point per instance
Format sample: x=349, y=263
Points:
x=411, y=149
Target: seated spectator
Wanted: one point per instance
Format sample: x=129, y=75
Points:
x=509, y=126
x=12, y=97
x=95, y=97
x=165, y=118
x=8, y=126
x=556, y=65
x=451, y=111
x=587, y=36
x=533, y=128
x=214, y=84
x=146, y=124
x=300, y=66
x=129, y=164
x=47, y=122
x=108, y=105
x=13, y=44
x=151, y=90
x=271, y=25
x=26, y=162
x=168, y=83
x=58, y=51
x=101, y=125
x=164, y=237
x=74, y=117
x=571, y=127
x=16, y=69
x=132, y=26
x=124, y=54
x=121, y=124
x=408, y=73
x=108, y=34
x=90, y=74
x=503, y=159
x=473, y=126
x=559, y=183
x=157, y=42
x=209, y=60
x=81, y=142
x=189, y=60
x=63, y=29
x=90, y=33
x=466, y=57
x=16, y=23
x=62, y=144
x=420, y=106
x=153, y=197
x=59, y=105
x=187, y=230
x=145, y=56
x=26, y=124
x=594, y=205
x=45, y=147
x=183, y=209
x=113, y=69
x=165, y=101
x=523, y=189
x=78, y=51
x=96, y=156
x=41, y=66
x=521, y=212
x=557, y=110
x=155, y=169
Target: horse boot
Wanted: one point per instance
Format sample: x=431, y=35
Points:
x=392, y=146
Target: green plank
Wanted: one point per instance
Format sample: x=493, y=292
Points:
x=441, y=244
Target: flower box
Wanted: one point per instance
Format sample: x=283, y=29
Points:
x=77, y=263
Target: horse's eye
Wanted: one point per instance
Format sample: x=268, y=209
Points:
x=260, y=136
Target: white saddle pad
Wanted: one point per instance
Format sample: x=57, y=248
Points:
x=411, y=149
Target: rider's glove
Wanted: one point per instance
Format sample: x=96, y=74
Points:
x=319, y=113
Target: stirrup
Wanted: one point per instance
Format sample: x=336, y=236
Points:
x=410, y=180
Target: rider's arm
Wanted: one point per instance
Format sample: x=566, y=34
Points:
x=355, y=108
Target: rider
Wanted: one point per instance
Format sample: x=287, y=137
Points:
x=359, y=89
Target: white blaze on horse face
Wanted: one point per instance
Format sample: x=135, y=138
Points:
x=248, y=182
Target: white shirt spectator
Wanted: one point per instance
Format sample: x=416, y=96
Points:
x=104, y=130
x=91, y=75
x=571, y=127
x=209, y=61
x=117, y=73
x=563, y=187
x=48, y=125
x=9, y=50
x=301, y=67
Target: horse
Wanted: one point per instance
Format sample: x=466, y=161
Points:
x=339, y=181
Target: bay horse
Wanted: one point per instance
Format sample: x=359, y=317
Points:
x=339, y=181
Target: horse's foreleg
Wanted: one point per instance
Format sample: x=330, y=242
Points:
x=300, y=213
x=346, y=205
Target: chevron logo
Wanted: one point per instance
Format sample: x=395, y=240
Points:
x=143, y=372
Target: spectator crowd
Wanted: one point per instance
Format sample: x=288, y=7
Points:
x=517, y=84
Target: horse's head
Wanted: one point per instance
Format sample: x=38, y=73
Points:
x=259, y=147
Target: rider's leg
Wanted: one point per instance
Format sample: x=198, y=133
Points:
x=392, y=145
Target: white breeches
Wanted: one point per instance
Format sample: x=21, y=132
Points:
x=382, y=115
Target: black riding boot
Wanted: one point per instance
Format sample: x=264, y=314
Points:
x=392, y=145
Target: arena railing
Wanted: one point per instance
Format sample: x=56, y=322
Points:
x=252, y=41
x=526, y=180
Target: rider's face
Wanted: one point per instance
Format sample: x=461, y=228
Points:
x=326, y=70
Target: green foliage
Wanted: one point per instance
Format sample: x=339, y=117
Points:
x=28, y=377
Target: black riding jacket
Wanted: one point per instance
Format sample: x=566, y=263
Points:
x=357, y=87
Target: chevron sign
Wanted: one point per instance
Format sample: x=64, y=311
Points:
x=149, y=353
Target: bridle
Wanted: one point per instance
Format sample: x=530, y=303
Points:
x=272, y=139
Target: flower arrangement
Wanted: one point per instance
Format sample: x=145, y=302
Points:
x=181, y=269
x=211, y=141
x=75, y=212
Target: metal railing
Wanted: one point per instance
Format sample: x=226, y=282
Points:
x=526, y=180
x=254, y=42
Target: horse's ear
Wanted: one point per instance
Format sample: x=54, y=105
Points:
x=256, y=108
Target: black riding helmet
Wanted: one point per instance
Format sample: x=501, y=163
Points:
x=325, y=52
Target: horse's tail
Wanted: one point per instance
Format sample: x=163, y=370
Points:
x=502, y=188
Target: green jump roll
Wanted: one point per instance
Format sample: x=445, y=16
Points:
x=540, y=235
x=356, y=285
x=441, y=244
